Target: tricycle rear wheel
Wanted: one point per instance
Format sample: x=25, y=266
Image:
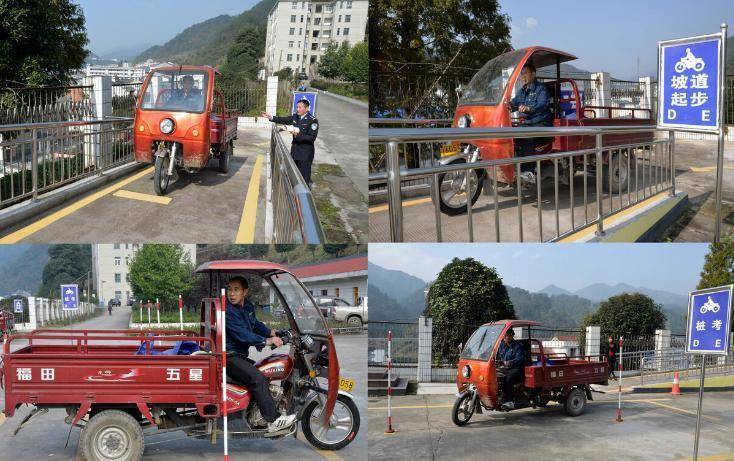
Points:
x=461, y=413
x=224, y=158
x=112, y=435
x=575, y=402
x=623, y=167
x=160, y=177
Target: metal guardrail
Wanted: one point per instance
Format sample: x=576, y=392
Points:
x=655, y=160
x=664, y=364
x=45, y=104
x=39, y=157
x=295, y=219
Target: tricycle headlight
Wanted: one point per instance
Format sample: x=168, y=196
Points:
x=166, y=126
x=466, y=371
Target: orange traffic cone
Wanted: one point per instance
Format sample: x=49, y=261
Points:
x=676, y=386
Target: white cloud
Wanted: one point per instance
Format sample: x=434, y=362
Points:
x=531, y=23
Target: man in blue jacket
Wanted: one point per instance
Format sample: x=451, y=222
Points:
x=245, y=330
x=532, y=102
x=512, y=358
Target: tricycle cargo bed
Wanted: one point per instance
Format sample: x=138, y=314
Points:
x=563, y=372
x=74, y=374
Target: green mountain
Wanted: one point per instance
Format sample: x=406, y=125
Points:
x=22, y=270
x=207, y=42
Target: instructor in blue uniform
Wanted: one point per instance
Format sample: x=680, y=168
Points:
x=306, y=128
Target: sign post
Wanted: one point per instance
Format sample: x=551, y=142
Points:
x=18, y=306
x=691, y=93
x=70, y=297
x=707, y=333
x=308, y=96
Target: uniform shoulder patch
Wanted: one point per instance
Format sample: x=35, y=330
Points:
x=314, y=126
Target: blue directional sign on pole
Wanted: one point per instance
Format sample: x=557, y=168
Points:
x=308, y=96
x=689, y=78
x=70, y=297
x=709, y=321
x=18, y=306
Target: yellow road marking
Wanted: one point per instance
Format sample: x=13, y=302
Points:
x=706, y=169
x=31, y=229
x=2, y=419
x=680, y=410
x=377, y=209
x=717, y=457
x=614, y=219
x=144, y=197
x=414, y=407
x=328, y=455
x=246, y=231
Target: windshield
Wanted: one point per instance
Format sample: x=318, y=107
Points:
x=173, y=90
x=298, y=301
x=487, y=86
x=479, y=346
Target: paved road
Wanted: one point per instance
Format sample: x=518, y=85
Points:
x=207, y=207
x=343, y=128
x=45, y=436
x=657, y=427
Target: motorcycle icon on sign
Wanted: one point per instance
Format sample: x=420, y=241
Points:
x=710, y=305
x=689, y=61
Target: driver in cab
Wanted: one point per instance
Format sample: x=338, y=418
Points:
x=532, y=101
x=512, y=357
x=245, y=330
x=187, y=95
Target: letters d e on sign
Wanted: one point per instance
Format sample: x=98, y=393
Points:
x=709, y=321
x=689, y=81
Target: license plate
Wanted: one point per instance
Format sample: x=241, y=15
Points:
x=346, y=384
x=447, y=151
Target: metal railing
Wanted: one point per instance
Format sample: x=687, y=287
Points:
x=661, y=365
x=650, y=166
x=295, y=219
x=38, y=157
x=45, y=104
x=124, y=96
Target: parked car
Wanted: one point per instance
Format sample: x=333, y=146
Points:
x=328, y=305
x=302, y=76
x=114, y=302
x=353, y=315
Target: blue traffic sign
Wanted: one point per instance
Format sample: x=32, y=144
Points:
x=18, y=306
x=709, y=321
x=688, y=83
x=70, y=297
x=308, y=96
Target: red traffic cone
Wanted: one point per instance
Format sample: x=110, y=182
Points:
x=676, y=386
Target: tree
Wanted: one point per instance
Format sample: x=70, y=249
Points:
x=430, y=31
x=285, y=73
x=628, y=314
x=718, y=269
x=66, y=264
x=466, y=294
x=355, y=67
x=163, y=272
x=335, y=248
x=243, y=57
x=330, y=64
x=284, y=247
x=41, y=42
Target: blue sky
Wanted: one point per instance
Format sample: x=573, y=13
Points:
x=130, y=24
x=670, y=267
x=611, y=35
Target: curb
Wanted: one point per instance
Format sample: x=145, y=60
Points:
x=665, y=390
x=28, y=209
x=356, y=102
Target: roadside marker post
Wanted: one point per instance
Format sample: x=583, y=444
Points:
x=222, y=320
x=389, y=430
x=141, y=312
x=149, y=314
x=158, y=312
x=691, y=87
x=619, y=395
x=180, y=311
x=707, y=333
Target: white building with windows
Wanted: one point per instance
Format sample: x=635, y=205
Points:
x=299, y=31
x=111, y=262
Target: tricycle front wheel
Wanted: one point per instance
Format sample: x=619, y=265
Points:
x=343, y=425
x=112, y=435
x=454, y=187
x=160, y=177
x=463, y=410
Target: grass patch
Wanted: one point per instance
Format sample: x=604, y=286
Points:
x=350, y=90
x=711, y=381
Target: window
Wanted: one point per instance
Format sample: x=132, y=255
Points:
x=346, y=31
x=338, y=31
x=319, y=8
x=340, y=18
x=355, y=294
x=127, y=277
x=314, y=46
x=327, y=21
x=337, y=291
x=294, y=5
x=135, y=246
x=326, y=34
x=293, y=18
x=297, y=57
x=118, y=295
x=116, y=246
x=315, y=33
x=292, y=31
x=118, y=277
x=317, y=21
x=300, y=31
x=290, y=44
x=313, y=59
x=341, y=4
x=324, y=292
x=349, y=5
x=328, y=8
x=301, y=18
x=118, y=260
x=289, y=58
x=127, y=260
x=348, y=18
x=299, y=44
x=127, y=246
x=323, y=47
x=303, y=4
